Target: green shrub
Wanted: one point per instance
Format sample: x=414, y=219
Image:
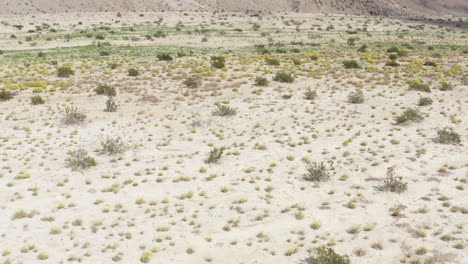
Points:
x=409, y=115
x=164, y=57
x=79, y=159
x=105, y=89
x=447, y=136
x=224, y=110
x=215, y=154
x=393, y=49
x=445, y=86
x=133, y=72
x=191, y=82
x=273, y=61
x=423, y=101
x=316, y=171
x=104, y=53
x=356, y=97
x=113, y=66
x=363, y=48
x=111, y=105
x=392, y=64
x=283, y=77
x=310, y=94
x=351, y=64
x=73, y=115
x=5, y=95
x=430, y=63
x=325, y=255
x=218, y=62
x=418, y=85
x=393, y=183
x=64, y=72
x=37, y=100
x=112, y=145
x=261, y=81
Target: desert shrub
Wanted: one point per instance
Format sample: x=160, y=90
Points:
x=392, y=64
x=273, y=61
x=191, y=82
x=218, y=62
x=112, y=145
x=41, y=54
x=105, y=89
x=393, y=49
x=363, y=48
x=356, y=97
x=447, y=136
x=73, y=115
x=224, y=110
x=316, y=171
x=351, y=64
x=133, y=72
x=445, y=86
x=37, y=100
x=113, y=66
x=104, y=53
x=409, y=115
x=286, y=96
x=325, y=255
x=79, y=159
x=5, y=95
x=393, y=183
x=283, y=77
x=423, y=101
x=261, y=81
x=160, y=34
x=419, y=85
x=111, y=105
x=430, y=63
x=310, y=94
x=392, y=57
x=164, y=57
x=64, y=72
x=215, y=154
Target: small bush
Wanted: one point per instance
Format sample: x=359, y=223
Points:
x=218, y=62
x=79, y=159
x=325, y=255
x=261, y=81
x=351, y=64
x=133, y=72
x=64, y=72
x=447, y=136
x=356, y=97
x=423, y=101
x=215, y=154
x=191, y=82
x=430, y=63
x=409, y=115
x=165, y=57
x=111, y=105
x=37, y=100
x=112, y=145
x=418, y=85
x=105, y=89
x=363, y=48
x=224, y=110
x=5, y=95
x=73, y=115
x=273, y=61
x=392, y=64
x=393, y=49
x=310, y=94
x=316, y=171
x=445, y=86
x=393, y=183
x=283, y=77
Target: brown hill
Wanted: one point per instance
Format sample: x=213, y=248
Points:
x=364, y=7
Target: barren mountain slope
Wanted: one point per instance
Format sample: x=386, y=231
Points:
x=373, y=7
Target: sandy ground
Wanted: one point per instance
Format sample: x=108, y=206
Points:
x=160, y=198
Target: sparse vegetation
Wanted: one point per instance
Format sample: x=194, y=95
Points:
x=224, y=110
x=80, y=160
x=409, y=115
x=326, y=255
x=73, y=115
x=317, y=171
x=447, y=136
x=393, y=183
x=283, y=77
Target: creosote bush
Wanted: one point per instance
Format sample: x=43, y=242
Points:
x=5, y=95
x=283, y=77
x=224, y=110
x=423, y=101
x=191, y=82
x=37, y=100
x=409, y=115
x=445, y=86
x=356, y=97
x=133, y=72
x=218, y=62
x=310, y=94
x=215, y=155
x=112, y=145
x=326, y=255
x=105, y=89
x=64, y=72
x=418, y=85
x=111, y=105
x=447, y=136
x=261, y=81
x=79, y=159
x=316, y=171
x=393, y=183
x=351, y=64
x=164, y=57
x=73, y=115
